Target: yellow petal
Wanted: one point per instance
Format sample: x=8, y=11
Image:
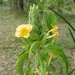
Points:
x=37, y=71
x=26, y=35
x=17, y=34
x=37, y=7
x=20, y=27
x=54, y=29
x=46, y=73
x=30, y=7
x=54, y=35
x=28, y=27
x=52, y=55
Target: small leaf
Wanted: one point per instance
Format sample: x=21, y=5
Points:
x=40, y=61
x=55, y=73
x=52, y=67
x=26, y=42
x=60, y=55
x=44, y=39
x=41, y=66
x=20, y=62
x=35, y=46
x=30, y=71
x=50, y=1
x=40, y=0
x=44, y=55
x=34, y=36
x=50, y=19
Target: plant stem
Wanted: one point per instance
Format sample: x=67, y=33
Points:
x=49, y=60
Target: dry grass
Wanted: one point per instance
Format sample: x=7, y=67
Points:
x=9, y=47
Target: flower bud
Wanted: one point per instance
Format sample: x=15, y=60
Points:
x=34, y=19
x=30, y=7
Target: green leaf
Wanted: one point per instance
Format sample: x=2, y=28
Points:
x=20, y=62
x=50, y=19
x=50, y=1
x=55, y=73
x=63, y=19
x=60, y=55
x=41, y=66
x=44, y=39
x=26, y=42
x=34, y=36
x=30, y=71
x=40, y=0
x=72, y=35
x=52, y=67
x=35, y=46
x=44, y=55
x=40, y=61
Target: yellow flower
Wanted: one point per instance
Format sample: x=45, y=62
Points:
x=37, y=71
x=37, y=7
x=52, y=55
x=54, y=35
x=30, y=7
x=53, y=30
x=23, y=31
x=46, y=73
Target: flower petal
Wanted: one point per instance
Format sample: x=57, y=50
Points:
x=18, y=34
x=26, y=35
x=28, y=27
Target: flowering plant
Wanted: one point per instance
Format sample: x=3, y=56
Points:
x=39, y=39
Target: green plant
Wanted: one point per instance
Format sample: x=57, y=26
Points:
x=73, y=29
x=58, y=3
x=39, y=39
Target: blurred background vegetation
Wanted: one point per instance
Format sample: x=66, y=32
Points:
x=15, y=12
x=23, y=5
